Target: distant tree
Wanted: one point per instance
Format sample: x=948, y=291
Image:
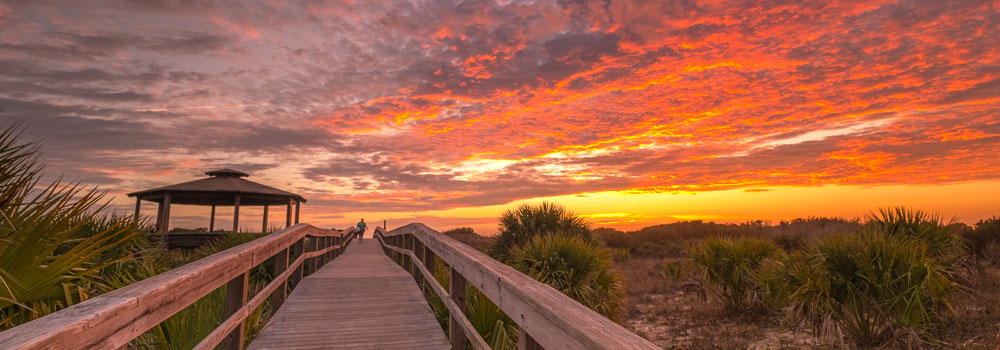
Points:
x=469, y=236
x=518, y=226
x=984, y=240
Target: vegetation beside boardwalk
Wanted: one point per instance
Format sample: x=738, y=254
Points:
x=899, y=278
x=60, y=246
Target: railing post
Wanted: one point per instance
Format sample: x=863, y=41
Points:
x=457, y=291
x=418, y=251
x=297, y=275
x=429, y=261
x=407, y=261
x=236, y=297
x=336, y=241
x=280, y=264
x=327, y=243
x=321, y=259
x=525, y=342
x=313, y=245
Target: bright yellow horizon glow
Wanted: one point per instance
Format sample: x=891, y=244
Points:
x=966, y=202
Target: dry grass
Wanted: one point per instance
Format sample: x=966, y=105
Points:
x=674, y=315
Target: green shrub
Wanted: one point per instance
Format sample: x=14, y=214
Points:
x=573, y=266
x=518, y=227
x=729, y=264
x=675, y=271
x=496, y=328
x=620, y=254
x=941, y=239
x=50, y=251
x=871, y=286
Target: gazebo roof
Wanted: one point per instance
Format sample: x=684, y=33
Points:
x=219, y=189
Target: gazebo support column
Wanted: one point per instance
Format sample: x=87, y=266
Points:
x=159, y=215
x=138, y=206
x=236, y=214
x=165, y=223
x=288, y=215
x=296, y=212
x=264, y=227
x=211, y=220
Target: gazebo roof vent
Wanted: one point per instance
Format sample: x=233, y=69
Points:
x=226, y=173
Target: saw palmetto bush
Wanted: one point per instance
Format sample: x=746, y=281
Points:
x=728, y=266
x=577, y=268
x=889, y=282
x=940, y=237
x=496, y=328
x=499, y=331
x=46, y=262
x=520, y=225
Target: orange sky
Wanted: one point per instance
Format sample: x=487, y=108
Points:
x=448, y=112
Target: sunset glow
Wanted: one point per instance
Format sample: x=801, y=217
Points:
x=632, y=113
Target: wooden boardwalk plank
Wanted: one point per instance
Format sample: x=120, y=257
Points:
x=361, y=300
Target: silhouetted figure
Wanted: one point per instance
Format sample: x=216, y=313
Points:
x=361, y=230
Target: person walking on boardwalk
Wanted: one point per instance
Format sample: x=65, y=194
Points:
x=361, y=230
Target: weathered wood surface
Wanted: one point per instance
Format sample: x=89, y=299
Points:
x=468, y=330
x=361, y=300
x=111, y=320
x=552, y=319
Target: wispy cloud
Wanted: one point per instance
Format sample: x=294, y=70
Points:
x=403, y=105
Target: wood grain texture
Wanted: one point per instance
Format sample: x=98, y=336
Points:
x=111, y=320
x=361, y=300
x=552, y=319
x=470, y=332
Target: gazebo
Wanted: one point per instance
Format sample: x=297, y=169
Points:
x=222, y=187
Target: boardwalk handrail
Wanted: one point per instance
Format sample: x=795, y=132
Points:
x=112, y=320
x=545, y=317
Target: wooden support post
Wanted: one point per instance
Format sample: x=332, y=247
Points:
x=236, y=297
x=166, y=216
x=211, y=220
x=525, y=342
x=407, y=264
x=264, y=227
x=429, y=262
x=297, y=275
x=288, y=214
x=457, y=291
x=159, y=215
x=418, y=250
x=329, y=243
x=138, y=206
x=323, y=243
x=236, y=214
x=313, y=245
x=280, y=264
x=335, y=252
x=296, y=212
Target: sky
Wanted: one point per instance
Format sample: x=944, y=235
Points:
x=631, y=113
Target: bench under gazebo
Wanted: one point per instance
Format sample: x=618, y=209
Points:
x=225, y=187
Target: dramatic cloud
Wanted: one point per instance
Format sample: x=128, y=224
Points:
x=404, y=106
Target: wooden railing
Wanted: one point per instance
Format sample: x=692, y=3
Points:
x=545, y=317
x=111, y=320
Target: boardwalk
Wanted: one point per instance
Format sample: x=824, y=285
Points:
x=361, y=300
